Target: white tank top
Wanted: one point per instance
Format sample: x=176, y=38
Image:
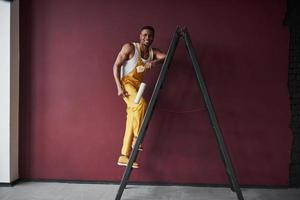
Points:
x=130, y=64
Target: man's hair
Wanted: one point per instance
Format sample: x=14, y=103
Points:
x=148, y=28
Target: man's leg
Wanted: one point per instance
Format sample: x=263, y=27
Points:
x=131, y=121
x=138, y=117
x=128, y=136
x=127, y=141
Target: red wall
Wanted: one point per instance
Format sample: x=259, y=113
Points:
x=72, y=121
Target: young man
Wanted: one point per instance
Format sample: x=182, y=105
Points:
x=132, y=62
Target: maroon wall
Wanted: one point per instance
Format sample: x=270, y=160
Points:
x=72, y=121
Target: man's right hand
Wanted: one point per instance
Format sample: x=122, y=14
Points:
x=122, y=92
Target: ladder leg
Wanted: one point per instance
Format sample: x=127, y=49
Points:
x=227, y=172
x=219, y=137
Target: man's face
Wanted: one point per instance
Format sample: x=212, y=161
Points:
x=146, y=37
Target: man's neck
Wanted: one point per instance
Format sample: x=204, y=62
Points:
x=143, y=48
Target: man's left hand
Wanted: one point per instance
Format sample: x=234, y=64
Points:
x=148, y=65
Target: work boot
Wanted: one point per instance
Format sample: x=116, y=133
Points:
x=123, y=161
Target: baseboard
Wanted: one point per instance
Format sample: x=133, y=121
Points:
x=155, y=183
x=10, y=184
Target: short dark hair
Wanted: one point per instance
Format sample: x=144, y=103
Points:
x=148, y=28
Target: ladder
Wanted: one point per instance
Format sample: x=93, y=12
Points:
x=182, y=32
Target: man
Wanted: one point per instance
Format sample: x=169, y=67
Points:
x=132, y=62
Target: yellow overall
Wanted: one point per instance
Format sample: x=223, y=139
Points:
x=135, y=112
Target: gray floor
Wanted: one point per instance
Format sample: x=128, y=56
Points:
x=75, y=191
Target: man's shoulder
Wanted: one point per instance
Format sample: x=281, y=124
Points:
x=128, y=47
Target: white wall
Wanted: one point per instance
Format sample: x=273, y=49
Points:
x=9, y=90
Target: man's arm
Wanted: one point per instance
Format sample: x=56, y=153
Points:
x=158, y=58
x=124, y=54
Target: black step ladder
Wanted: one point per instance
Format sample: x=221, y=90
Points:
x=182, y=32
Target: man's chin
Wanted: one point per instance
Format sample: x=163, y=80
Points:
x=147, y=44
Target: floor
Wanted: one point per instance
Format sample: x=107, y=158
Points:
x=76, y=191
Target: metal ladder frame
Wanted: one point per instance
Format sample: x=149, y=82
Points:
x=182, y=32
